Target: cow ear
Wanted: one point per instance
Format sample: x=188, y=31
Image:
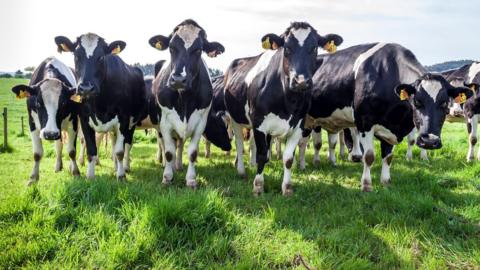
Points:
x=64, y=44
x=405, y=91
x=473, y=86
x=213, y=48
x=116, y=47
x=330, y=42
x=159, y=42
x=272, y=42
x=460, y=94
x=24, y=91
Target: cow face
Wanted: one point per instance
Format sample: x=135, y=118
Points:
x=300, y=43
x=186, y=44
x=430, y=96
x=50, y=99
x=89, y=51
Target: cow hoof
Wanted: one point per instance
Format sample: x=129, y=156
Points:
x=356, y=158
x=166, y=182
x=75, y=173
x=178, y=167
x=243, y=176
x=367, y=188
x=127, y=169
x=302, y=167
x=385, y=182
x=469, y=159
x=122, y=178
x=192, y=184
x=32, y=182
x=257, y=187
x=287, y=190
x=316, y=162
x=58, y=168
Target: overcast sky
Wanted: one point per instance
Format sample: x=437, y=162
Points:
x=435, y=30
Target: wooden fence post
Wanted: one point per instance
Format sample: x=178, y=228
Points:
x=5, y=130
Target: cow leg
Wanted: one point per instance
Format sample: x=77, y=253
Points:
x=253, y=150
x=262, y=158
x=128, y=148
x=472, y=138
x=37, y=156
x=98, y=140
x=160, y=157
x=332, y=144
x=238, y=133
x=288, y=156
x=192, y=151
x=119, y=151
x=387, y=156
x=170, y=148
x=366, y=139
x=302, y=147
x=178, y=159
x=341, y=139
x=58, y=153
x=356, y=153
x=278, y=148
x=410, y=144
x=89, y=135
x=81, y=156
x=71, y=149
x=424, y=154
x=317, y=145
x=207, y=148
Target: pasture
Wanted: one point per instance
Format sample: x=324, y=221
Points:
x=429, y=217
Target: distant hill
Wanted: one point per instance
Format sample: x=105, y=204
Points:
x=448, y=65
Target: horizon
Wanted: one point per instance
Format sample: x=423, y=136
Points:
x=238, y=26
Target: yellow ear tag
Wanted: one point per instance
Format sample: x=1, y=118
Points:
x=64, y=47
x=76, y=98
x=117, y=50
x=330, y=47
x=403, y=94
x=22, y=94
x=266, y=44
x=158, y=45
x=461, y=98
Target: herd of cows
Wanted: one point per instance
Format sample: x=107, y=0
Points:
x=289, y=91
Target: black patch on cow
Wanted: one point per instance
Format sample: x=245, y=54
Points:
x=71, y=154
x=389, y=159
x=369, y=157
x=168, y=156
x=289, y=163
x=36, y=157
x=193, y=156
x=473, y=140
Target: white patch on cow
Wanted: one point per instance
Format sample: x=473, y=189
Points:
x=196, y=118
x=290, y=145
x=301, y=34
x=103, y=127
x=171, y=121
x=91, y=168
x=385, y=176
x=183, y=73
x=432, y=88
x=366, y=140
x=36, y=120
x=64, y=70
x=364, y=56
x=473, y=71
x=274, y=125
x=260, y=66
x=188, y=33
x=338, y=120
x=385, y=134
x=89, y=43
x=131, y=123
x=247, y=113
x=50, y=91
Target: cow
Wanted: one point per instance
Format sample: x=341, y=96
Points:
x=270, y=93
x=469, y=76
x=384, y=92
x=51, y=111
x=112, y=96
x=183, y=89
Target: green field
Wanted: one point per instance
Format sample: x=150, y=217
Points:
x=429, y=217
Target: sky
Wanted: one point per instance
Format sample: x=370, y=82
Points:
x=434, y=30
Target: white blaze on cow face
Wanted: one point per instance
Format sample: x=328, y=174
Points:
x=301, y=34
x=473, y=71
x=432, y=88
x=188, y=33
x=50, y=91
x=364, y=56
x=260, y=66
x=89, y=43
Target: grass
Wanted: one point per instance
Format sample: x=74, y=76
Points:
x=429, y=217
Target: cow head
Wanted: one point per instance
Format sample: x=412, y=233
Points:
x=89, y=51
x=216, y=130
x=300, y=43
x=186, y=44
x=429, y=96
x=51, y=99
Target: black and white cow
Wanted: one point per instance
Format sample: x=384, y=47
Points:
x=51, y=111
x=270, y=93
x=113, y=96
x=184, y=93
x=383, y=91
x=469, y=76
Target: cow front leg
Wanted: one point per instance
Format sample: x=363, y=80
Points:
x=98, y=140
x=160, y=153
x=356, y=154
x=288, y=158
x=120, y=152
x=169, y=144
x=128, y=149
x=302, y=148
x=472, y=124
x=424, y=154
x=262, y=158
x=341, y=140
x=207, y=148
x=387, y=156
x=37, y=156
x=71, y=149
x=410, y=144
x=366, y=140
x=317, y=145
x=178, y=160
x=253, y=150
x=89, y=135
x=58, y=153
x=238, y=133
x=332, y=144
x=278, y=148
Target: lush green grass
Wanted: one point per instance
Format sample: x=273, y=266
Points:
x=428, y=218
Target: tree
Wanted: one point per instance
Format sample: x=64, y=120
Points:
x=29, y=69
x=18, y=74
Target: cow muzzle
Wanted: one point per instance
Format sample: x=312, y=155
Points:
x=178, y=82
x=301, y=83
x=50, y=135
x=86, y=89
x=429, y=141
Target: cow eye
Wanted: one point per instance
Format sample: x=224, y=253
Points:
x=287, y=51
